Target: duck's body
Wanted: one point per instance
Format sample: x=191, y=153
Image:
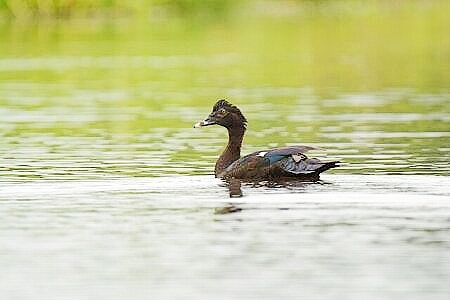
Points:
x=279, y=164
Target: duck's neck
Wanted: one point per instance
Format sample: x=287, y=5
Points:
x=233, y=150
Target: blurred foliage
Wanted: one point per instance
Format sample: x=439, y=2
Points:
x=26, y=9
x=96, y=8
x=329, y=46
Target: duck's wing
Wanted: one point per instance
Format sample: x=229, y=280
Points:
x=291, y=161
x=302, y=165
x=277, y=154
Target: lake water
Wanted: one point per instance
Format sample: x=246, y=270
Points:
x=350, y=236
x=107, y=192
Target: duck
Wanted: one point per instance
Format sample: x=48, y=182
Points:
x=275, y=165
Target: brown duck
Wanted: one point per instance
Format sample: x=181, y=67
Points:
x=279, y=164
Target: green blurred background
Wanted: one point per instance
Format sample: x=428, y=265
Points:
x=348, y=45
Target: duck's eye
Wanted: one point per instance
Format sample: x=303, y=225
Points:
x=223, y=111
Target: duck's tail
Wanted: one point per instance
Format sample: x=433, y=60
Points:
x=327, y=165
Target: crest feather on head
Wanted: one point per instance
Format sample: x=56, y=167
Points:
x=229, y=107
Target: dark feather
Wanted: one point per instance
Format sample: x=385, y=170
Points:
x=289, y=150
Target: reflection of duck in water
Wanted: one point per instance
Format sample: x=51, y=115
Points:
x=279, y=164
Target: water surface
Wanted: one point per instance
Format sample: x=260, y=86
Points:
x=349, y=236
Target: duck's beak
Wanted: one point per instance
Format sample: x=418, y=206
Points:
x=203, y=123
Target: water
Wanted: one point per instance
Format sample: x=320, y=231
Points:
x=107, y=191
x=351, y=236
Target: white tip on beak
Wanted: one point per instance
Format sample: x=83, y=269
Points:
x=201, y=124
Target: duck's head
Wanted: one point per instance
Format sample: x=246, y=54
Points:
x=224, y=114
